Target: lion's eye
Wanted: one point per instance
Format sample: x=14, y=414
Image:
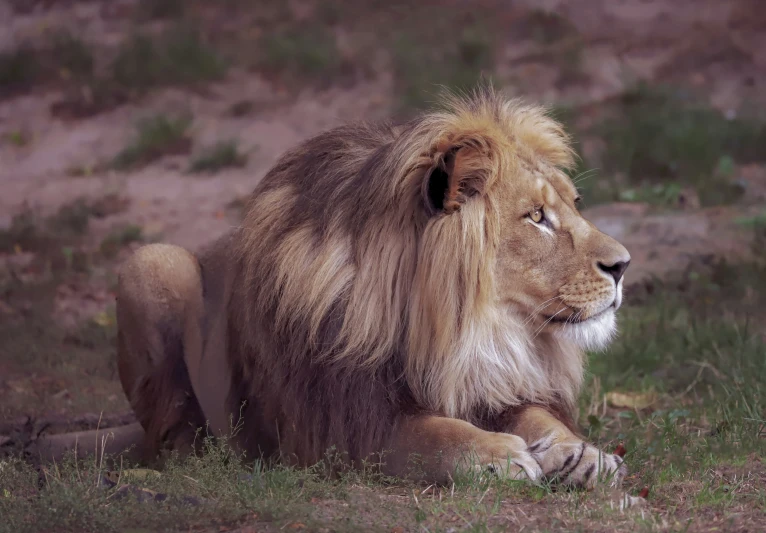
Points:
x=536, y=215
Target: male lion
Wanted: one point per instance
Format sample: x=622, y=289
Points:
x=424, y=289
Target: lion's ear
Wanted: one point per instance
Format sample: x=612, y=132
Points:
x=458, y=173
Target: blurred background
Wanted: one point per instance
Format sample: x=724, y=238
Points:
x=130, y=121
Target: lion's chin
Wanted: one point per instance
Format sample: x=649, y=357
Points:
x=593, y=334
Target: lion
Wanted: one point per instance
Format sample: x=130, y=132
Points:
x=424, y=290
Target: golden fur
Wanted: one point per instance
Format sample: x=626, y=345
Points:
x=387, y=282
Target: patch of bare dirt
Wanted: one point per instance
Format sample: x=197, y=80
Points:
x=165, y=199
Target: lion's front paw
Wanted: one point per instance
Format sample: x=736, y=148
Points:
x=508, y=458
x=577, y=464
x=520, y=465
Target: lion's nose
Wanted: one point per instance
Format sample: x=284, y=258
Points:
x=616, y=270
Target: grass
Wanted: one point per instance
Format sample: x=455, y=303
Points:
x=57, y=241
x=62, y=56
x=18, y=138
x=73, y=57
x=30, y=232
x=696, y=341
x=241, y=108
x=156, y=136
x=299, y=52
x=160, y=9
x=757, y=221
x=221, y=155
x=662, y=137
x=547, y=27
x=46, y=364
x=118, y=238
x=457, y=64
x=180, y=56
x=18, y=70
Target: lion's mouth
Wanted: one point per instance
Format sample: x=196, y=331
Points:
x=576, y=317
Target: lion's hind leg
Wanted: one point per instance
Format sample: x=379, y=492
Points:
x=159, y=292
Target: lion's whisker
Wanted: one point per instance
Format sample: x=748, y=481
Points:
x=573, y=317
x=539, y=309
x=582, y=176
x=541, y=328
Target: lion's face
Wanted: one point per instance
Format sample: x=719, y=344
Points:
x=553, y=266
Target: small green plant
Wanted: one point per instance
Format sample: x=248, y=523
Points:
x=31, y=232
x=420, y=68
x=756, y=221
x=221, y=155
x=18, y=138
x=72, y=219
x=119, y=238
x=660, y=194
x=71, y=56
x=300, y=52
x=61, y=57
x=18, y=69
x=24, y=232
x=156, y=137
x=660, y=136
x=160, y=9
x=241, y=108
x=180, y=56
x=547, y=27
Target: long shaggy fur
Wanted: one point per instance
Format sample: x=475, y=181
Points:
x=348, y=283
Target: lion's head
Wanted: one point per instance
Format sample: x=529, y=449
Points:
x=450, y=246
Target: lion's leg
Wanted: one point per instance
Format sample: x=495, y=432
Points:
x=564, y=457
x=432, y=448
x=159, y=291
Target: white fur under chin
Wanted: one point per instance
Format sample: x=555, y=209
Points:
x=592, y=335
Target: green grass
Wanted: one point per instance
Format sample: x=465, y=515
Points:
x=665, y=137
x=160, y=9
x=241, y=108
x=31, y=232
x=71, y=56
x=18, y=69
x=696, y=340
x=223, y=154
x=299, y=52
x=155, y=137
x=180, y=56
x=547, y=27
x=71, y=368
x=120, y=237
x=58, y=240
x=62, y=56
x=421, y=69
x=757, y=221
x=18, y=138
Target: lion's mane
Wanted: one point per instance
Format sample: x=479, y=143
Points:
x=355, y=301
